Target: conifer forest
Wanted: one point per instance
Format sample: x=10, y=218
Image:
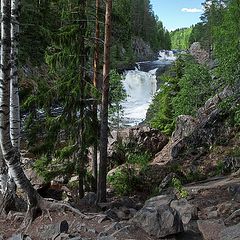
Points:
x=116, y=127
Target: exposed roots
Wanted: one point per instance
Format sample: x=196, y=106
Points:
x=45, y=206
x=51, y=205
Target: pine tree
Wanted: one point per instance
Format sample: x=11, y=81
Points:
x=101, y=191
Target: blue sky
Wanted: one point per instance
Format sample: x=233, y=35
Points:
x=177, y=13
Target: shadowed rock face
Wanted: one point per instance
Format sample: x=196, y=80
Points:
x=158, y=219
x=146, y=138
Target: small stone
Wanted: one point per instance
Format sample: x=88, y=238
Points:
x=76, y=238
x=92, y=230
x=19, y=236
x=64, y=226
x=234, y=191
x=61, y=236
x=106, y=238
x=102, y=219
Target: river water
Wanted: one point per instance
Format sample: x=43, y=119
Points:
x=141, y=85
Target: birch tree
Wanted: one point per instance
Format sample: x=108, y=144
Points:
x=7, y=182
x=14, y=96
x=101, y=191
x=11, y=154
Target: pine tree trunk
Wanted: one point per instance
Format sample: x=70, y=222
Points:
x=95, y=83
x=81, y=139
x=101, y=192
x=11, y=155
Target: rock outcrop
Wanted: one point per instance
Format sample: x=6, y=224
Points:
x=194, y=135
x=142, y=51
x=141, y=137
x=158, y=219
x=201, y=55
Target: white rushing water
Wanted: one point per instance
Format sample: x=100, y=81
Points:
x=140, y=87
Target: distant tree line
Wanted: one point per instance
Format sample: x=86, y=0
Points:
x=188, y=84
x=180, y=38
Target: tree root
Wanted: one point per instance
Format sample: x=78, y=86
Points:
x=45, y=206
x=53, y=205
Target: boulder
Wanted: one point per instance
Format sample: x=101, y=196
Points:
x=211, y=229
x=158, y=219
x=142, y=51
x=145, y=138
x=53, y=230
x=187, y=211
x=34, y=178
x=230, y=233
x=90, y=198
x=184, y=127
x=234, y=191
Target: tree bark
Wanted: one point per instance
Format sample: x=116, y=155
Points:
x=101, y=192
x=14, y=96
x=81, y=139
x=11, y=155
x=95, y=83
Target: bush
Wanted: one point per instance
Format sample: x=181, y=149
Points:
x=123, y=181
x=141, y=159
x=176, y=183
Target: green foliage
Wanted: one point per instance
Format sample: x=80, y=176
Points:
x=180, y=38
x=231, y=106
x=37, y=20
x=176, y=183
x=131, y=20
x=237, y=117
x=123, y=181
x=141, y=159
x=160, y=113
x=200, y=34
x=227, y=45
x=235, y=152
x=219, y=168
x=195, y=89
x=185, y=88
x=40, y=166
x=195, y=176
x=116, y=95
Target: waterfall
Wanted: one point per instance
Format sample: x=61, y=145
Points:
x=140, y=85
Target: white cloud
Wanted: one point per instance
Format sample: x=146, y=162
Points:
x=192, y=10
